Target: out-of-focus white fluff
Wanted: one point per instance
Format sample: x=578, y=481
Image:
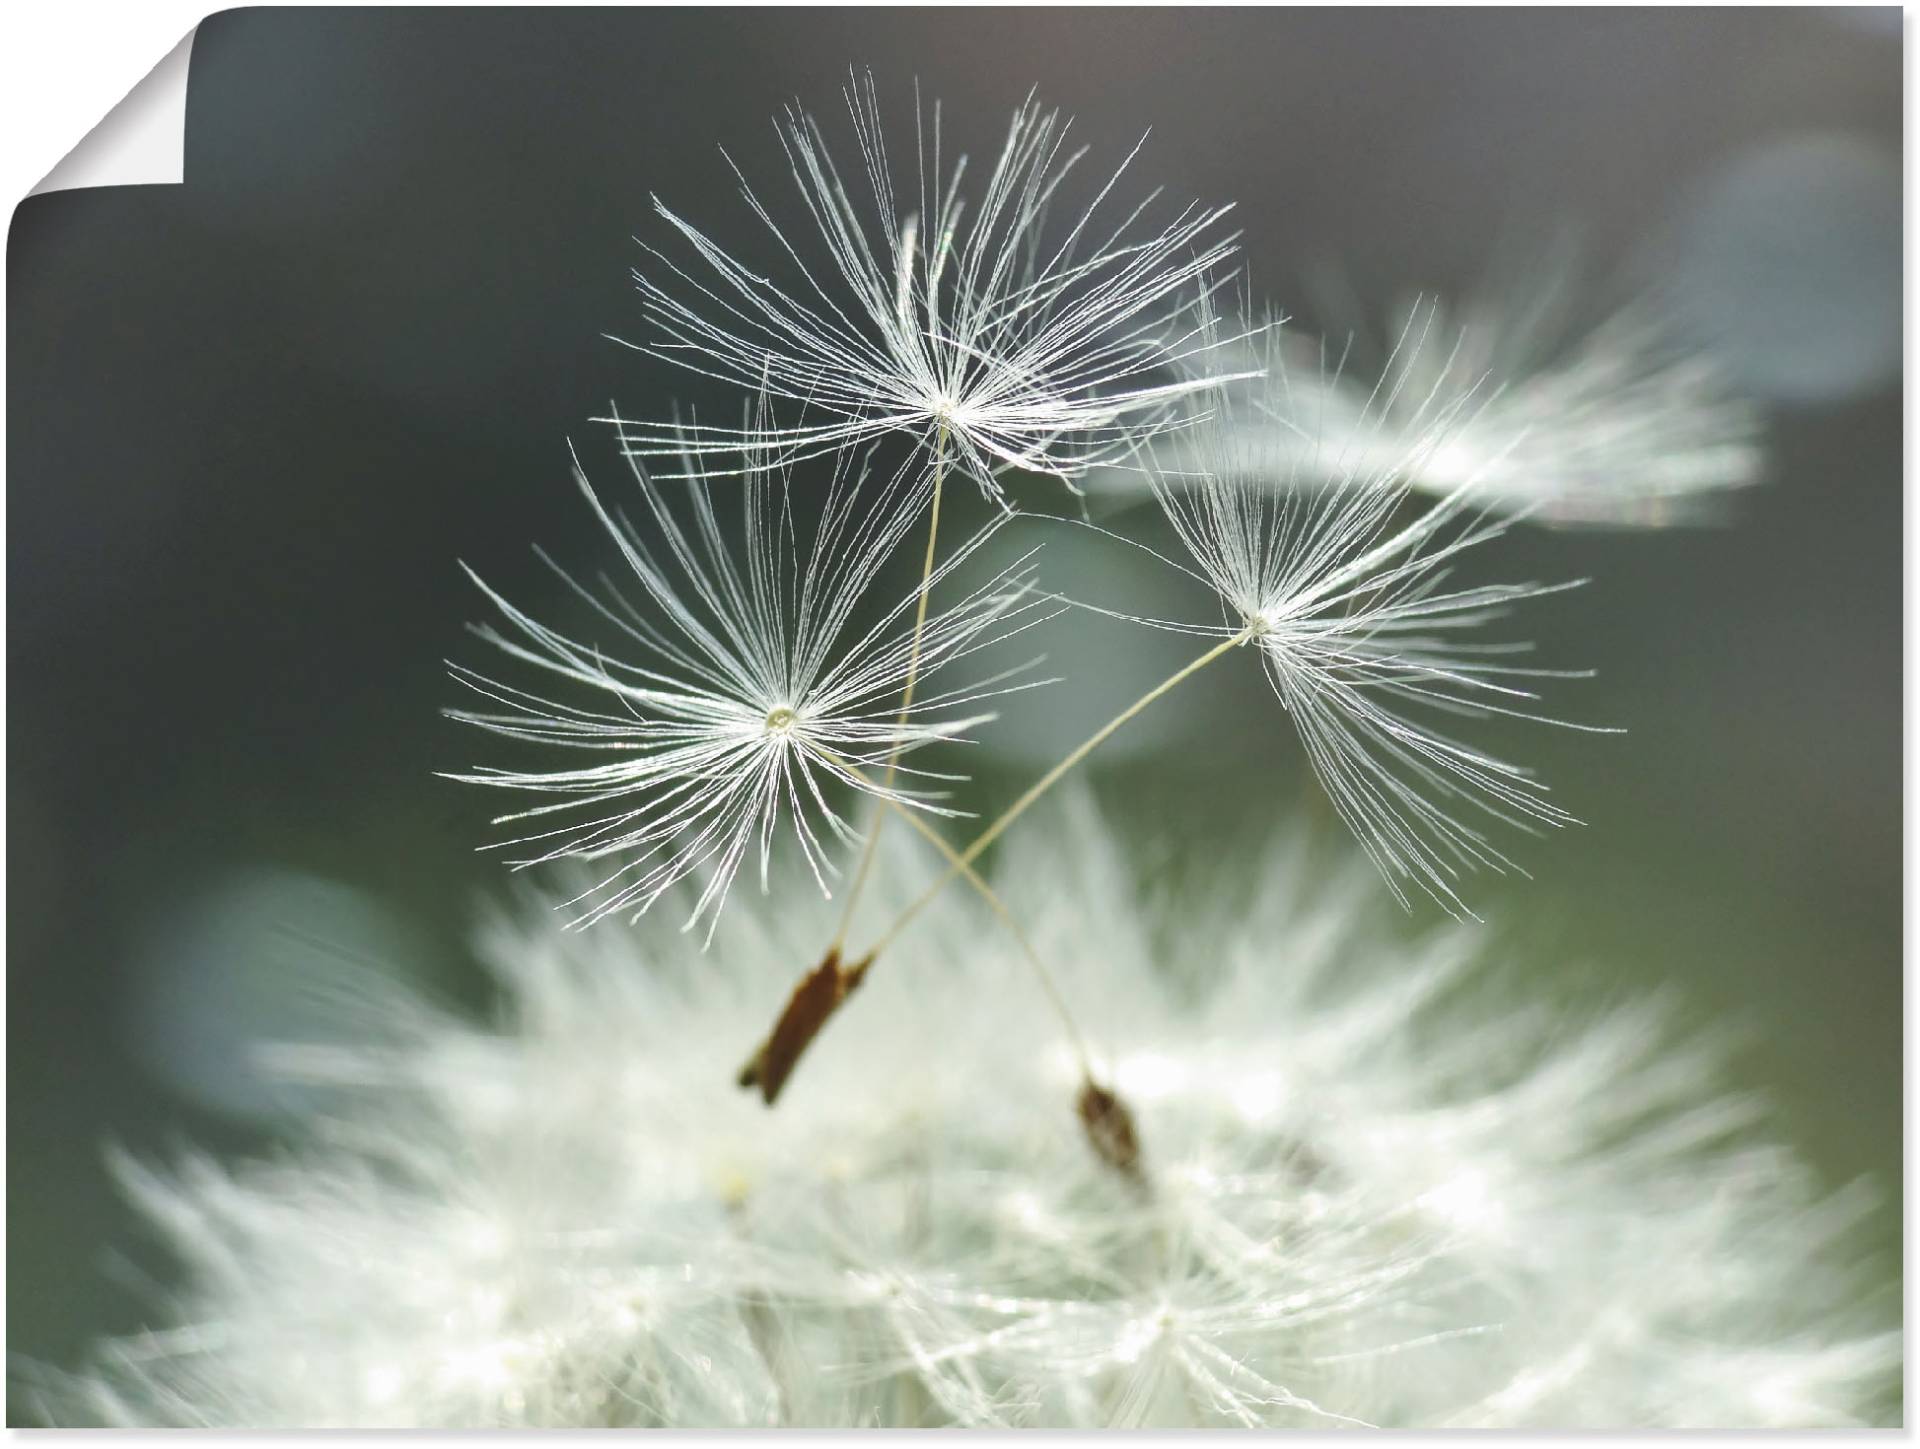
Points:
x=1375, y=1191
x=1617, y=423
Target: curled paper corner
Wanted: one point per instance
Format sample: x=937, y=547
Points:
x=142, y=141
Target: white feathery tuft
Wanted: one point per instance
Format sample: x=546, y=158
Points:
x=1619, y=425
x=1615, y=424
x=1346, y=593
x=1372, y=1191
x=751, y=690
x=1046, y=352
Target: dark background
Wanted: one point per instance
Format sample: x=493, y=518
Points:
x=255, y=419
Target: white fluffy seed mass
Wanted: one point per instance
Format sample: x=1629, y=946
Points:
x=1374, y=1191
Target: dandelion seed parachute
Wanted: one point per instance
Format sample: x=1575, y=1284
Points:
x=1046, y=352
x=1347, y=597
x=758, y=688
x=1619, y=426
x=1616, y=424
x=1377, y=1193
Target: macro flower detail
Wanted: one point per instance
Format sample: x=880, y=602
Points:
x=1022, y=348
x=1363, y=638
x=758, y=690
x=1374, y=1192
x=1144, y=1127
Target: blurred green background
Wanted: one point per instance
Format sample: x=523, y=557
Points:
x=254, y=420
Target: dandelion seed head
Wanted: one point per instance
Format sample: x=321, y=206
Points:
x=1373, y=1190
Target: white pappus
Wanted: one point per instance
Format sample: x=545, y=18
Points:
x=1617, y=422
x=1346, y=594
x=1049, y=353
x=751, y=687
x=1373, y=1191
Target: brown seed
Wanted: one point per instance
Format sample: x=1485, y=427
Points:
x=814, y=1000
x=1109, y=1125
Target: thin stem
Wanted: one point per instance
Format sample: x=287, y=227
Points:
x=998, y=907
x=906, y=695
x=964, y=860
